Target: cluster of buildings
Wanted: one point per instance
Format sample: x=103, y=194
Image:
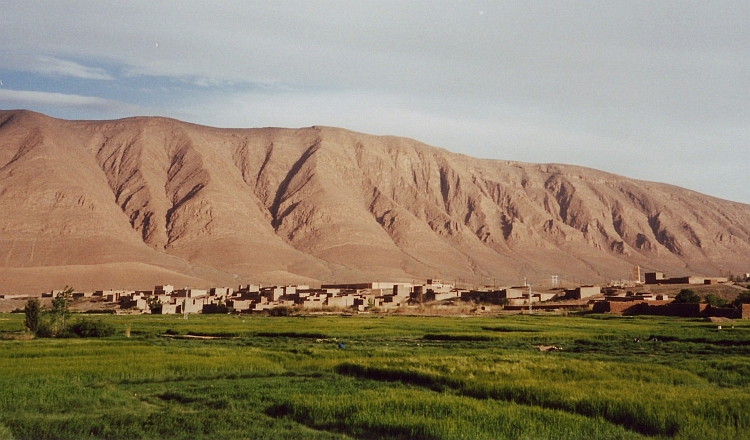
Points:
x=659, y=278
x=391, y=295
x=253, y=298
x=642, y=303
x=662, y=305
x=166, y=299
x=358, y=297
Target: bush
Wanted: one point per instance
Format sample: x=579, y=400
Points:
x=49, y=326
x=45, y=329
x=742, y=298
x=92, y=329
x=715, y=301
x=687, y=296
x=280, y=311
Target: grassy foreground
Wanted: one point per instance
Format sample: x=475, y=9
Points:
x=396, y=377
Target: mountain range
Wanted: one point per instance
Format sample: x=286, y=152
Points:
x=140, y=201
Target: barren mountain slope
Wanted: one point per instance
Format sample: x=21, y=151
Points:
x=284, y=205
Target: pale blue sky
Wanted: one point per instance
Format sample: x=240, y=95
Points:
x=655, y=90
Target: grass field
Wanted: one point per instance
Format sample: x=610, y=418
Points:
x=395, y=377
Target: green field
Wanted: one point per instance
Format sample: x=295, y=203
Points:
x=396, y=377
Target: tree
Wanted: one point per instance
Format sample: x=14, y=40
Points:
x=32, y=315
x=687, y=296
x=60, y=312
x=715, y=301
x=742, y=298
x=155, y=305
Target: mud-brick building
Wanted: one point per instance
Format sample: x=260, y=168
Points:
x=659, y=278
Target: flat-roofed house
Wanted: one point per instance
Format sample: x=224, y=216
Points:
x=583, y=292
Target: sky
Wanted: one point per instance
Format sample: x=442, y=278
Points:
x=653, y=90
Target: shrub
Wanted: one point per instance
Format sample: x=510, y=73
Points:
x=92, y=329
x=280, y=311
x=51, y=326
x=687, y=296
x=45, y=329
x=715, y=301
x=742, y=298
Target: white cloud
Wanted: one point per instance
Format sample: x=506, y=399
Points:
x=51, y=66
x=30, y=99
x=55, y=66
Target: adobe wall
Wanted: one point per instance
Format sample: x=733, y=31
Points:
x=638, y=307
x=684, y=310
x=724, y=313
x=618, y=307
x=668, y=308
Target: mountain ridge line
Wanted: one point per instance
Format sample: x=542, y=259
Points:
x=327, y=204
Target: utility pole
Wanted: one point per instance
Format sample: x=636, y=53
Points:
x=184, y=303
x=530, y=311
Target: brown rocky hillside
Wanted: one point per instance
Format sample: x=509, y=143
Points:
x=143, y=201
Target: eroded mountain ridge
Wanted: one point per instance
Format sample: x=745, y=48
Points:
x=326, y=204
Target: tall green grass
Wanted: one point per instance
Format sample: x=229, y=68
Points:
x=650, y=399
x=414, y=413
x=397, y=377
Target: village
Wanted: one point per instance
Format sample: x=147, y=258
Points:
x=622, y=297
